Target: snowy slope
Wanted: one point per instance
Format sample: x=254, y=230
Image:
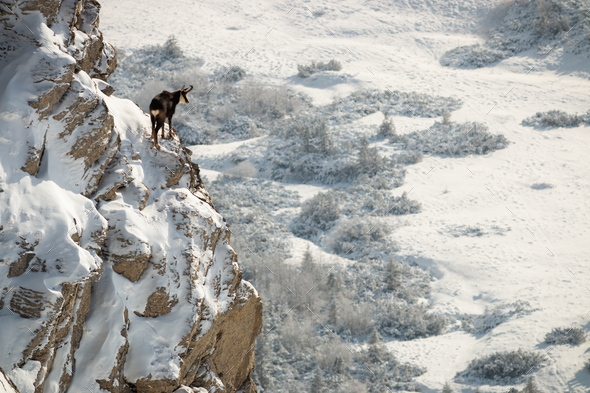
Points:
x=540, y=252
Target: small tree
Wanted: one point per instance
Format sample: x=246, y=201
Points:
x=447, y=388
x=387, y=128
x=531, y=387
x=446, y=117
x=308, y=264
x=317, y=383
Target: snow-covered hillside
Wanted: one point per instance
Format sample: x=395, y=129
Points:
x=431, y=247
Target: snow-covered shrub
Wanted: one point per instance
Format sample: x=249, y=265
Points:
x=247, y=205
x=452, y=140
x=406, y=282
x=239, y=128
x=387, y=128
x=541, y=186
x=382, y=372
x=573, y=336
x=556, y=118
x=361, y=236
x=230, y=75
x=298, y=333
x=318, y=215
x=305, y=71
x=531, y=387
x=333, y=354
x=380, y=203
x=447, y=388
x=266, y=102
x=356, y=319
x=524, y=25
x=467, y=230
x=409, y=157
x=243, y=169
x=366, y=102
x=446, y=117
x=307, y=152
x=503, y=367
x=162, y=63
x=494, y=316
x=407, y=321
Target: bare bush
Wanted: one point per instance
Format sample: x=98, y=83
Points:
x=305, y=71
x=573, y=336
x=359, y=237
x=556, y=118
x=243, y=169
x=260, y=101
x=504, y=366
x=452, y=140
x=387, y=128
x=318, y=214
x=333, y=355
x=407, y=322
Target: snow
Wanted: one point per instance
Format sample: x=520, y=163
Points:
x=542, y=258
x=538, y=255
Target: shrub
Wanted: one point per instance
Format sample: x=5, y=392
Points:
x=452, y=140
x=305, y=71
x=366, y=102
x=554, y=118
x=447, y=388
x=574, y=336
x=409, y=157
x=503, y=366
x=446, y=117
x=333, y=355
x=243, y=169
x=356, y=318
x=318, y=214
x=230, y=75
x=494, y=316
x=263, y=102
x=387, y=128
x=531, y=387
x=297, y=334
x=239, y=128
x=407, y=322
x=541, y=186
x=382, y=372
x=359, y=237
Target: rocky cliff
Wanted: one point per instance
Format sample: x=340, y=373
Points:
x=116, y=271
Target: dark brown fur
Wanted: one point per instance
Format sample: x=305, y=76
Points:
x=163, y=107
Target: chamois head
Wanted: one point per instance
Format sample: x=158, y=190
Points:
x=183, y=94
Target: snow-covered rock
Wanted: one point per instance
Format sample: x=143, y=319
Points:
x=116, y=271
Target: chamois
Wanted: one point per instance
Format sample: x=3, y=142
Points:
x=163, y=106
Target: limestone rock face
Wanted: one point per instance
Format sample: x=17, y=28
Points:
x=116, y=271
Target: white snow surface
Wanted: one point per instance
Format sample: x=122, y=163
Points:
x=543, y=259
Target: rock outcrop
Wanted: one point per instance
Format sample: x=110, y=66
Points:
x=116, y=271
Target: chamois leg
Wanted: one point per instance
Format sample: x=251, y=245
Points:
x=155, y=134
x=170, y=127
x=154, y=131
